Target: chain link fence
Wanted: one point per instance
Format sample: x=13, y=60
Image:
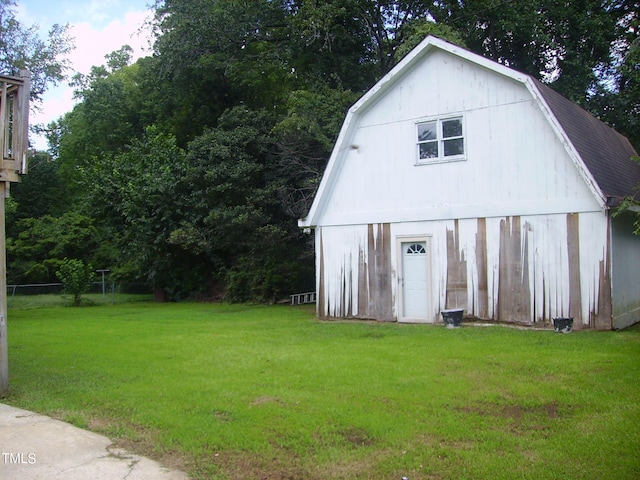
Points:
x=58, y=288
x=107, y=289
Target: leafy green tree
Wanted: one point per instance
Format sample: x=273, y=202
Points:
x=37, y=229
x=418, y=29
x=304, y=140
x=210, y=56
x=133, y=194
x=567, y=42
x=107, y=116
x=229, y=169
x=37, y=245
x=618, y=102
x=331, y=45
x=22, y=48
x=41, y=192
x=235, y=215
x=76, y=276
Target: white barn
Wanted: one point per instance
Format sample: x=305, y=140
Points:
x=457, y=182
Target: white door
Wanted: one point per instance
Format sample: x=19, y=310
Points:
x=415, y=280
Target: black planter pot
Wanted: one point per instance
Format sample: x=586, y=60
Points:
x=452, y=318
x=563, y=325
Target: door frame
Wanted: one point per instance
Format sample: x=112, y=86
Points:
x=400, y=240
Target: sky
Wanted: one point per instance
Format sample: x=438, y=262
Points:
x=98, y=27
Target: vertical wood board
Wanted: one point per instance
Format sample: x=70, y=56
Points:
x=514, y=269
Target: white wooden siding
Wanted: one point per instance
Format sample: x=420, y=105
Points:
x=625, y=271
x=341, y=249
x=544, y=249
x=515, y=164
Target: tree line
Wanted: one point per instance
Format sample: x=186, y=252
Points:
x=188, y=169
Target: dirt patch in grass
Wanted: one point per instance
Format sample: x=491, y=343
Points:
x=521, y=417
x=99, y=425
x=265, y=399
x=252, y=466
x=170, y=459
x=517, y=412
x=223, y=416
x=140, y=441
x=354, y=468
x=357, y=437
x=283, y=465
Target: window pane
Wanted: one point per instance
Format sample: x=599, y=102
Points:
x=452, y=128
x=416, y=249
x=428, y=150
x=427, y=131
x=453, y=147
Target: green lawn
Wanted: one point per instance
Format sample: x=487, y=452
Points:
x=251, y=392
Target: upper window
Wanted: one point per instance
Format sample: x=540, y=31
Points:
x=440, y=140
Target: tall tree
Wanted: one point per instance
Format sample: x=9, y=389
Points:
x=133, y=194
x=109, y=113
x=21, y=48
x=235, y=214
x=359, y=37
x=304, y=138
x=563, y=42
x=40, y=193
x=211, y=56
x=331, y=45
x=35, y=252
x=617, y=100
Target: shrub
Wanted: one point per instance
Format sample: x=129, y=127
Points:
x=76, y=277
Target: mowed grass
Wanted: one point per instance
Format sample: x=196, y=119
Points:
x=269, y=392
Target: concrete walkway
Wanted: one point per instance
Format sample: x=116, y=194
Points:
x=35, y=447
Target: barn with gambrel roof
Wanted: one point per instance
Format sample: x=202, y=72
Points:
x=457, y=182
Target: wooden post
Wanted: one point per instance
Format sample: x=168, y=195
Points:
x=4, y=354
x=14, y=142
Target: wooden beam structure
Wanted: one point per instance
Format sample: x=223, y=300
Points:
x=14, y=144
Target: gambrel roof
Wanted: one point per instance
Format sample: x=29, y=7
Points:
x=601, y=155
x=604, y=151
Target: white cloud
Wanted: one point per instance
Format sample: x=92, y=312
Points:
x=99, y=11
x=92, y=44
x=99, y=27
x=57, y=102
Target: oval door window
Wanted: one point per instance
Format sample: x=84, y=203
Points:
x=416, y=249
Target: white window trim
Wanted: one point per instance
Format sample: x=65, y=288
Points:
x=440, y=158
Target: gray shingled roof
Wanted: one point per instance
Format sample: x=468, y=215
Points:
x=606, y=153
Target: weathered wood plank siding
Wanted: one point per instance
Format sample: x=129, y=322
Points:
x=573, y=248
x=481, y=300
x=514, y=289
x=536, y=274
x=378, y=289
x=525, y=270
x=355, y=272
x=457, y=287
